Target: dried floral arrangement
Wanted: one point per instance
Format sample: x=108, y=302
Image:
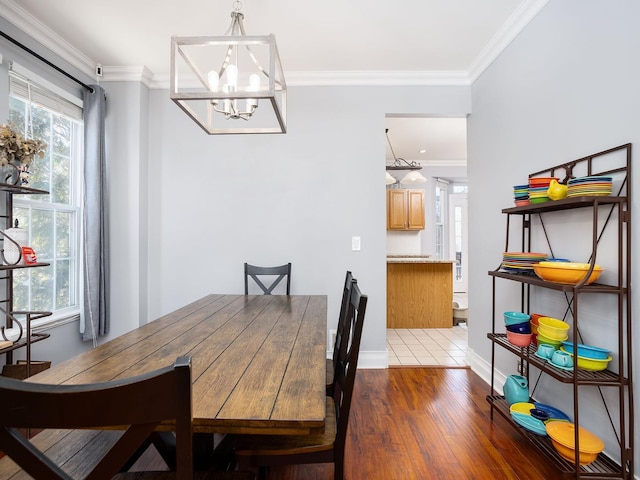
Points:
x=16, y=150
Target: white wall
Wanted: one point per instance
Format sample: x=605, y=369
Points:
x=218, y=201
x=566, y=87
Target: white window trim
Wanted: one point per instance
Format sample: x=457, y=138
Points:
x=71, y=314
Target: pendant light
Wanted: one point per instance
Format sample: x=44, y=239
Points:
x=413, y=177
x=230, y=84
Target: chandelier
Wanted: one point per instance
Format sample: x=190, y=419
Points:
x=229, y=84
x=411, y=178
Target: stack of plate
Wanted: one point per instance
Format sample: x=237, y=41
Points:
x=596, y=185
x=521, y=262
x=538, y=188
x=521, y=195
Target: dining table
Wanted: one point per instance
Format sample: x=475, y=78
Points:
x=258, y=361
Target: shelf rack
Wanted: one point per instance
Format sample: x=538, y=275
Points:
x=619, y=376
x=28, y=337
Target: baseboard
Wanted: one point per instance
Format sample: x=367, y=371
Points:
x=483, y=369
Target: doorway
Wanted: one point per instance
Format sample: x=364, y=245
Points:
x=443, y=163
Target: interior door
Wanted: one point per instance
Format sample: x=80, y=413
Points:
x=458, y=240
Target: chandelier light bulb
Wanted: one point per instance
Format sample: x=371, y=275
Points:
x=232, y=77
x=254, y=86
x=214, y=80
x=254, y=82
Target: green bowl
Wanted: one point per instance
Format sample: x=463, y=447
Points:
x=548, y=341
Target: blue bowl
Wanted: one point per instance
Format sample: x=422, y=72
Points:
x=513, y=318
x=520, y=327
x=587, y=351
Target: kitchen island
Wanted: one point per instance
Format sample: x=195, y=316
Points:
x=419, y=292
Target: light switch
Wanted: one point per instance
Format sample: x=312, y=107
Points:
x=355, y=244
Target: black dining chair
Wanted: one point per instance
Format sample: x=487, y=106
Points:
x=263, y=451
x=255, y=272
x=82, y=445
x=340, y=334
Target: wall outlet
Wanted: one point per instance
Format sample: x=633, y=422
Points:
x=355, y=244
x=520, y=367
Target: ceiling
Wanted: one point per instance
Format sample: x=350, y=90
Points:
x=331, y=41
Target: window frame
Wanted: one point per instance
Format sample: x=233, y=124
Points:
x=74, y=207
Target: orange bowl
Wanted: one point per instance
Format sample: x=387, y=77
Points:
x=570, y=273
x=563, y=438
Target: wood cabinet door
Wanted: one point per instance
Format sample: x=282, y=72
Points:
x=415, y=215
x=396, y=209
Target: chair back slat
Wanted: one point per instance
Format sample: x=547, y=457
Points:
x=342, y=320
x=253, y=271
x=138, y=404
x=347, y=363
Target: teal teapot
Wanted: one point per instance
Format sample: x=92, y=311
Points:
x=516, y=389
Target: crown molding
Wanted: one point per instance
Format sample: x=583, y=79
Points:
x=504, y=36
x=135, y=73
x=37, y=30
x=512, y=27
x=378, y=78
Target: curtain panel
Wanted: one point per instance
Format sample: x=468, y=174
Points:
x=95, y=224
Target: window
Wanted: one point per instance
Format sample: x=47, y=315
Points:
x=52, y=221
x=441, y=217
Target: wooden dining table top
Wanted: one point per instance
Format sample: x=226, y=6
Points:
x=258, y=362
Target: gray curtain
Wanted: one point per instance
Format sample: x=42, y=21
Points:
x=95, y=224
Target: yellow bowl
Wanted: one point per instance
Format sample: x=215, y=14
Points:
x=570, y=273
x=591, y=364
x=555, y=343
x=553, y=328
x=563, y=438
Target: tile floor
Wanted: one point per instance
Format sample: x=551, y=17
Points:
x=428, y=346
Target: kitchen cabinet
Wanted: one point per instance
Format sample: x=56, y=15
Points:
x=405, y=209
x=9, y=318
x=610, y=215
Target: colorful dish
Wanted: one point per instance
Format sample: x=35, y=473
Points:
x=563, y=438
x=530, y=423
x=570, y=273
x=587, y=351
x=554, y=413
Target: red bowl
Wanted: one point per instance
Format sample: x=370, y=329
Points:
x=519, y=339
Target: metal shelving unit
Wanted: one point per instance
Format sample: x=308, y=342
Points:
x=608, y=211
x=27, y=337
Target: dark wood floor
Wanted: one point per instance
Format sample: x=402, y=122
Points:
x=426, y=423
x=422, y=424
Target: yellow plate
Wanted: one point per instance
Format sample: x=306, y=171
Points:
x=522, y=407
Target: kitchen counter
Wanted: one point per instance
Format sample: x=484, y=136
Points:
x=419, y=292
x=416, y=259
